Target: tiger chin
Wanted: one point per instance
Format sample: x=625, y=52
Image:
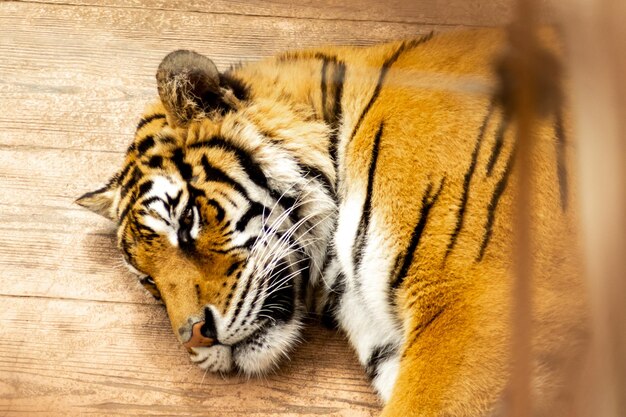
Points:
x=374, y=185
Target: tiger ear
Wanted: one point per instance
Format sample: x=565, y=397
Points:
x=190, y=85
x=100, y=201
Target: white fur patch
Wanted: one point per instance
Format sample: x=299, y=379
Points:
x=349, y=215
x=274, y=346
x=364, y=313
x=387, y=374
x=161, y=219
x=215, y=358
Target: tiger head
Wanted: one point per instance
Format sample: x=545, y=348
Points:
x=224, y=210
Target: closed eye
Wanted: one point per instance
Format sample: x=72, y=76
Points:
x=186, y=220
x=150, y=285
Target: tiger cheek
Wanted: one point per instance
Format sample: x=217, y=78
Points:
x=147, y=257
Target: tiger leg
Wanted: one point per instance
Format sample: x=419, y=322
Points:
x=377, y=345
x=453, y=363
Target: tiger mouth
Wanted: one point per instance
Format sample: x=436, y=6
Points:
x=255, y=355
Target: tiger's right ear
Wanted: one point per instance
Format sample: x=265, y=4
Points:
x=101, y=200
x=190, y=86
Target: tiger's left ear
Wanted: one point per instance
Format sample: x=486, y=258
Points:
x=101, y=200
x=190, y=86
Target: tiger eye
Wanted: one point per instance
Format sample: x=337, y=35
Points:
x=150, y=285
x=187, y=217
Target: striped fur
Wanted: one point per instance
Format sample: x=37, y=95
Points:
x=373, y=183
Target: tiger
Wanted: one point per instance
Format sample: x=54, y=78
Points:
x=371, y=185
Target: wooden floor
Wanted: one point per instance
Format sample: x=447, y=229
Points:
x=78, y=335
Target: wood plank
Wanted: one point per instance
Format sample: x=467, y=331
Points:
x=451, y=12
x=81, y=357
x=92, y=68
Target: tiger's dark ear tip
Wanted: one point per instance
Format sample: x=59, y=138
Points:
x=187, y=82
x=99, y=201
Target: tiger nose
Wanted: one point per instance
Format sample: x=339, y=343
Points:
x=203, y=333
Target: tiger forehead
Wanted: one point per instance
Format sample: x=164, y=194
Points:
x=156, y=137
x=201, y=130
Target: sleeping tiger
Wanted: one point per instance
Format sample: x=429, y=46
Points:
x=373, y=185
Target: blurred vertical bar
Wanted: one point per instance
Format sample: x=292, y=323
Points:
x=596, y=42
x=523, y=70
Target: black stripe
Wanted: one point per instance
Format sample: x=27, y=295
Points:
x=224, y=227
x=156, y=161
x=255, y=209
x=152, y=199
x=467, y=180
x=394, y=275
x=125, y=211
x=185, y=169
x=119, y=179
x=126, y=249
x=195, y=192
x=560, y=160
x=252, y=170
x=166, y=139
x=242, y=299
x=279, y=304
x=146, y=231
x=359, y=243
x=148, y=119
x=428, y=201
x=250, y=242
x=323, y=87
x=305, y=276
x=314, y=173
x=145, y=203
x=133, y=178
x=405, y=46
x=497, y=146
x=218, y=207
x=302, y=55
x=379, y=355
x=217, y=175
x=173, y=202
x=233, y=267
x=144, y=188
x=144, y=144
x=339, y=76
x=333, y=303
x=232, y=291
x=420, y=329
x=493, y=204
x=245, y=246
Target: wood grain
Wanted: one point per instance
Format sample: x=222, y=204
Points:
x=450, y=12
x=78, y=334
x=102, y=358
